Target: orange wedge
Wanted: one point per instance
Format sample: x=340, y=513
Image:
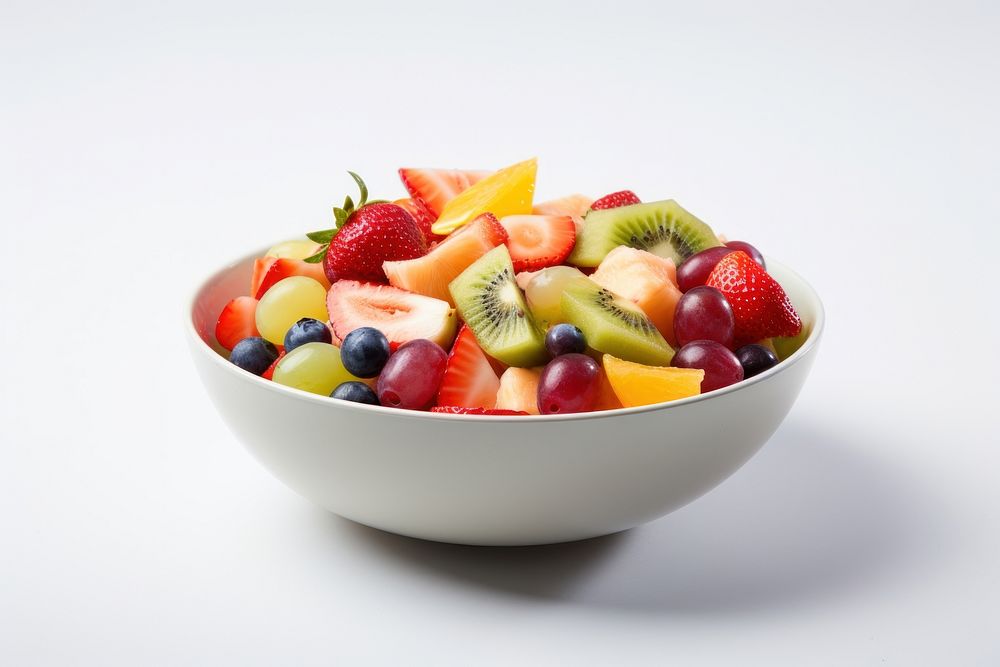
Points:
x=506, y=192
x=636, y=384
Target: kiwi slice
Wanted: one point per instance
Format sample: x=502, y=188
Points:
x=614, y=325
x=662, y=228
x=491, y=303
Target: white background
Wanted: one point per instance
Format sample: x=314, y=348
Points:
x=141, y=148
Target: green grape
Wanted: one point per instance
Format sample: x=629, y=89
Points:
x=314, y=367
x=544, y=292
x=287, y=302
x=294, y=249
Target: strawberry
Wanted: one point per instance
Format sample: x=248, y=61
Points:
x=280, y=269
x=436, y=187
x=402, y=316
x=469, y=379
x=269, y=373
x=616, y=200
x=537, y=241
x=364, y=237
x=422, y=216
x=457, y=410
x=761, y=307
x=237, y=321
x=260, y=269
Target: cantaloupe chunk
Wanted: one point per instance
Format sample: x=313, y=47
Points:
x=519, y=390
x=645, y=279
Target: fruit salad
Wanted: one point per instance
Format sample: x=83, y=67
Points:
x=468, y=297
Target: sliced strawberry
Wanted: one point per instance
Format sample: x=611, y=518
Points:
x=269, y=373
x=237, y=321
x=760, y=305
x=261, y=265
x=469, y=379
x=423, y=217
x=616, y=200
x=537, y=241
x=458, y=410
x=436, y=187
x=400, y=315
x=280, y=269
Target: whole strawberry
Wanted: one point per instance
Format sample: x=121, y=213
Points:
x=365, y=236
x=760, y=306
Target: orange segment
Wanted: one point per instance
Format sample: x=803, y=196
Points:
x=506, y=192
x=636, y=384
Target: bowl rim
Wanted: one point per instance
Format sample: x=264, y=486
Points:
x=200, y=346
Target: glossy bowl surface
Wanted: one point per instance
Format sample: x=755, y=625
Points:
x=496, y=480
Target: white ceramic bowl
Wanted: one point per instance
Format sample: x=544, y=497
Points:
x=496, y=480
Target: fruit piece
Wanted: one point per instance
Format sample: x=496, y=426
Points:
x=564, y=339
x=401, y=316
x=434, y=188
x=755, y=254
x=287, y=302
x=704, y=314
x=570, y=383
x=253, y=354
x=412, y=376
x=374, y=234
x=260, y=267
x=663, y=228
x=519, y=390
x=544, y=289
x=636, y=384
x=365, y=352
x=422, y=217
x=506, y=192
x=356, y=392
x=313, y=367
x=294, y=249
x=236, y=322
x=269, y=373
x=571, y=205
x=458, y=410
x=760, y=305
x=614, y=325
x=490, y=302
x=430, y=275
x=644, y=279
x=721, y=366
x=469, y=379
x=280, y=269
x=307, y=330
x=755, y=359
x=606, y=397
x=538, y=241
x=787, y=346
x=694, y=270
x=616, y=200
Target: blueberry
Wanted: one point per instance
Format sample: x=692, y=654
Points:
x=307, y=330
x=253, y=354
x=365, y=352
x=356, y=392
x=755, y=359
x=565, y=339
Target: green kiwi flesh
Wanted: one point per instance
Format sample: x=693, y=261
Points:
x=614, y=325
x=662, y=228
x=492, y=305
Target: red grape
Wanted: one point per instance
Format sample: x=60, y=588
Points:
x=569, y=383
x=748, y=249
x=412, y=376
x=721, y=366
x=703, y=313
x=694, y=270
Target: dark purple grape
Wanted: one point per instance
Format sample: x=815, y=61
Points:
x=564, y=339
x=721, y=366
x=755, y=359
x=412, y=376
x=694, y=270
x=703, y=313
x=748, y=249
x=569, y=383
